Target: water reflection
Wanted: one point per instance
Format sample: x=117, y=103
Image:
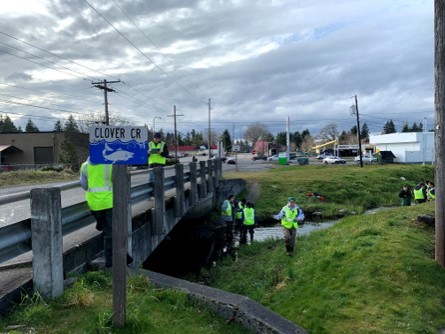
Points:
x=275, y=232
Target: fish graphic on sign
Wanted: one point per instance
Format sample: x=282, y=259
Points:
x=118, y=155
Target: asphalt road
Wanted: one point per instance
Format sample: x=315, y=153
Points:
x=20, y=210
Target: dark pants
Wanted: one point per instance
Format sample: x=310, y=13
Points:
x=104, y=221
x=229, y=231
x=244, y=230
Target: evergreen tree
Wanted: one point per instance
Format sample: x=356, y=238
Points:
x=305, y=133
x=406, y=128
x=71, y=125
x=6, y=124
x=281, y=138
x=389, y=127
x=297, y=138
x=353, y=130
x=58, y=126
x=364, y=132
x=227, y=140
x=31, y=127
x=343, y=137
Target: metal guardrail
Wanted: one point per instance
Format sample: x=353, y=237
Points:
x=15, y=239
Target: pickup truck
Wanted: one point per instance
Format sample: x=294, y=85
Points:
x=367, y=159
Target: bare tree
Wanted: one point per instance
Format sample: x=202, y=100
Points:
x=255, y=132
x=86, y=121
x=329, y=132
x=307, y=143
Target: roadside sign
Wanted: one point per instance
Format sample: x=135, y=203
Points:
x=118, y=145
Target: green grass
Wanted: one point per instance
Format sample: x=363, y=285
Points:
x=367, y=274
x=348, y=189
x=86, y=307
x=26, y=177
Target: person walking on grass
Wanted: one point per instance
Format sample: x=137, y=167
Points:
x=290, y=215
x=405, y=195
x=248, y=223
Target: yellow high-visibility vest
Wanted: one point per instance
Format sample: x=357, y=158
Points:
x=99, y=194
x=156, y=158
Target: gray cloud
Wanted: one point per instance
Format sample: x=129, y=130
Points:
x=259, y=61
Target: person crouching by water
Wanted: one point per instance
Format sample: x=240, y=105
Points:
x=290, y=215
x=406, y=196
x=248, y=223
x=227, y=215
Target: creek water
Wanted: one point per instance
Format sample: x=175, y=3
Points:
x=189, y=248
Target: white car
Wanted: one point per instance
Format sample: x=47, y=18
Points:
x=334, y=160
x=273, y=158
x=368, y=159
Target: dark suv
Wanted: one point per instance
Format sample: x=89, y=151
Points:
x=259, y=157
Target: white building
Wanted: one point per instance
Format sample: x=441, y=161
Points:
x=408, y=147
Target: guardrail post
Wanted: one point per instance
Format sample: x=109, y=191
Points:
x=193, y=184
x=210, y=165
x=217, y=172
x=47, y=241
x=202, y=176
x=158, y=226
x=179, y=199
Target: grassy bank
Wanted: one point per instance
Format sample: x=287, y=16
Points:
x=346, y=189
x=86, y=307
x=371, y=273
x=28, y=177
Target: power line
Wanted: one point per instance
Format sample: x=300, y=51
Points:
x=56, y=55
x=142, y=53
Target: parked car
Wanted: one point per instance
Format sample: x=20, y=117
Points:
x=223, y=159
x=273, y=158
x=368, y=159
x=324, y=155
x=259, y=157
x=334, y=160
x=231, y=161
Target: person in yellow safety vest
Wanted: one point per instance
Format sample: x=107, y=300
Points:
x=239, y=214
x=248, y=223
x=420, y=195
x=96, y=180
x=157, y=153
x=290, y=215
x=227, y=215
x=431, y=191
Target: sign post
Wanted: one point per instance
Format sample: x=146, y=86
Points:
x=120, y=146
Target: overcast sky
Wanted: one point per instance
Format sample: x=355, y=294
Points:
x=258, y=60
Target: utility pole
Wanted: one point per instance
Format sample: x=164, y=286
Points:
x=103, y=85
x=439, y=103
x=176, y=133
x=288, y=137
x=358, y=131
x=210, y=129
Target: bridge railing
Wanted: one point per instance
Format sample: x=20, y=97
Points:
x=15, y=239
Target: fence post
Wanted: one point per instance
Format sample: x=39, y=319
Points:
x=202, y=176
x=217, y=173
x=159, y=196
x=179, y=199
x=210, y=165
x=193, y=184
x=47, y=241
